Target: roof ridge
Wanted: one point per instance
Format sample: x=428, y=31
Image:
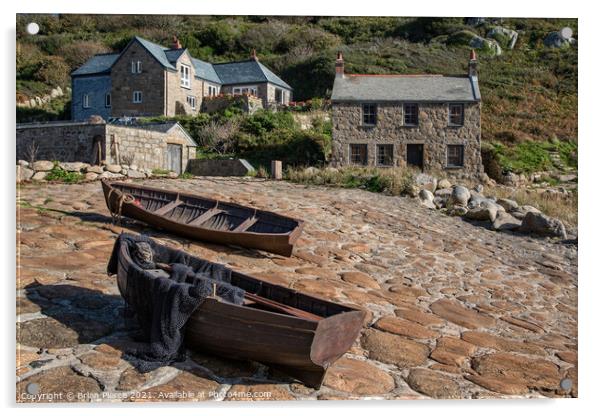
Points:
x=237, y=62
x=395, y=75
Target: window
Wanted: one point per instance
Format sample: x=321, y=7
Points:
x=86, y=101
x=384, y=155
x=455, y=156
x=185, y=76
x=211, y=91
x=137, y=97
x=369, y=111
x=410, y=114
x=108, y=99
x=252, y=90
x=279, y=95
x=358, y=154
x=191, y=100
x=456, y=114
x=136, y=67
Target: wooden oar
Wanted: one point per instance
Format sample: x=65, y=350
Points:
x=281, y=307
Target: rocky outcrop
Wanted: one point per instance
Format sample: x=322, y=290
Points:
x=506, y=38
x=502, y=214
x=560, y=39
x=538, y=223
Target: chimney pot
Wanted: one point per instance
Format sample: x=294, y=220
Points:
x=176, y=43
x=339, y=65
x=472, y=64
x=254, y=54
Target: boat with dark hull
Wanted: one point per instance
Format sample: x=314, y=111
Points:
x=200, y=218
x=296, y=333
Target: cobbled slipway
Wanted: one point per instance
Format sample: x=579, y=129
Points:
x=454, y=310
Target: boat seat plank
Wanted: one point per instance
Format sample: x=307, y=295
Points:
x=245, y=225
x=166, y=208
x=205, y=216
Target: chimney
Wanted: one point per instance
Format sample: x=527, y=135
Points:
x=253, y=54
x=472, y=64
x=176, y=43
x=339, y=65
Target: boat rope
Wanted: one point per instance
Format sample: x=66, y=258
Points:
x=121, y=199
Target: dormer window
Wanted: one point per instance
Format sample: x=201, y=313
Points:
x=185, y=76
x=136, y=67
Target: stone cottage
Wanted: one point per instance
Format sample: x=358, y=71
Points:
x=147, y=79
x=431, y=122
x=150, y=146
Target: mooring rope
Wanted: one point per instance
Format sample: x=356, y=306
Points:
x=122, y=198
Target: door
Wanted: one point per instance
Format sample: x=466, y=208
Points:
x=174, y=158
x=415, y=155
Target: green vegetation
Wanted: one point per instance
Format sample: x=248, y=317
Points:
x=58, y=174
x=529, y=93
x=391, y=181
x=160, y=171
x=527, y=157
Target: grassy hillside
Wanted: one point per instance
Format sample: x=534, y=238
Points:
x=529, y=93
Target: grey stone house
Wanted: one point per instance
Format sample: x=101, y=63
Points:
x=431, y=122
x=147, y=79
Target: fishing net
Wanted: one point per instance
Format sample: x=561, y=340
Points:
x=163, y=301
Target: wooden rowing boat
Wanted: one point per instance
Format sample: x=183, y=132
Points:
x=298, y=334
x=202, y=218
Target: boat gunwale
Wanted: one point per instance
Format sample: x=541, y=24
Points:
x=124, y=251
x=297, y=229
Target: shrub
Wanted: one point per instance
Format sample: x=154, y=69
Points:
x=77, y=53
x=58, y=174
x=53, y=71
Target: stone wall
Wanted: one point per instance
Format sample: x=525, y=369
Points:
x=228, y=167
x=148, y=148
x=151, y=82
x=64, y=141
x=433, y=132
x=78, y=141
x=96, y=87
x=177, y=94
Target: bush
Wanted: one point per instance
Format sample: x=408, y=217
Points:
x=58, y=174
x=491, y=162
x=77, y=53
x=53, y=71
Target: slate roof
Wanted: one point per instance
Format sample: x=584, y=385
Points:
x=243, y=72
x=98, y=64
x=157, y=51
x=206, y=71
x=247, y=72
x=426, y=88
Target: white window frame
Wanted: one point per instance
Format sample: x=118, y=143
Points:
x=137, y=94
x=136, y=67
x=184, y=76
x=191, y=100
x=86, y=100
x=245, y=89
x=211, y=90
x=108, y=95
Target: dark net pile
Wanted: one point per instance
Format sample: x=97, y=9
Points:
x=163, y=302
